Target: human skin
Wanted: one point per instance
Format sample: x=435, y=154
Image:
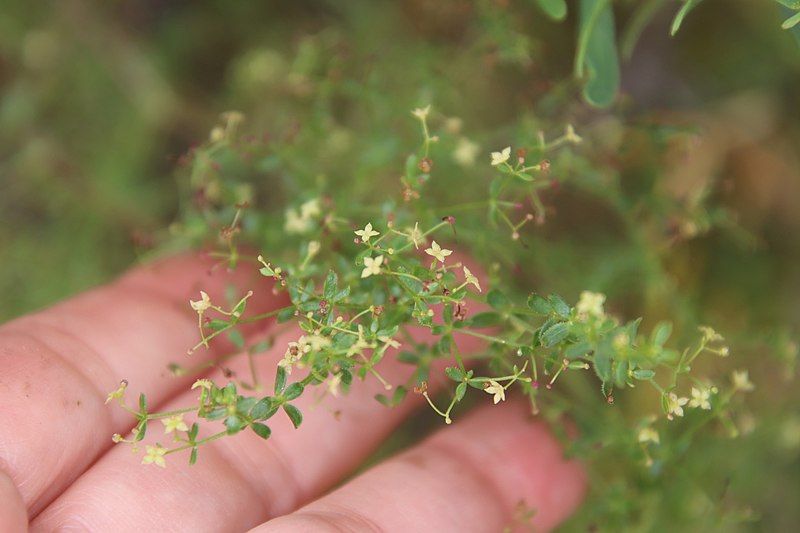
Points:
x=60, y=471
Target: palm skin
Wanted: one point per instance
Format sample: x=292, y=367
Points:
x=59, y=470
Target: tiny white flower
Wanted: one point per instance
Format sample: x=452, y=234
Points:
x=333, y=384
x=295, y=223
x=438, y=252
x=470, y=277
x=310, y=209
x=174, y=423
x=709, y=335
x=203, y=384
x=571, y=136
x=416, y=235
x=366, y=233
x=497, y=390
x=118, y=393
x=700, y=398
x=648, y=434
x=466, y=152
x=202, y=304
x=372, y=266
x=421, y=112
x=591, y=304
x=498, y=158
x=675, y=405
x=741, y=381
x=155, y=455
x=389, y=342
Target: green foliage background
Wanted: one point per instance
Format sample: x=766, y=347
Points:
x=99, y=100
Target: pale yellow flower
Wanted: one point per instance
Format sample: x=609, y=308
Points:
x=155, y=455
x=421, y=112
x=118, y=393
x=372, y=266
x=648, y=434
x=310, y=209
x=709, y=335
x=333, y=384
x=700, y=398
x=174, y=423
x=675, y=405
x=295, y=223
x=591, y=304
x=202, y=304
x=203, y=384
x=741, y=381
x=366, y=233
x=497, y=390
x=438, y=252
x=470, y=277
x=571, y=136
x=466, y=152
x=416, y=235
x=498, y=158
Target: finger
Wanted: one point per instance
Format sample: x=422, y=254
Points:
x=241, y=481
x=12, y=511
x=59, y=364
x=493, y=470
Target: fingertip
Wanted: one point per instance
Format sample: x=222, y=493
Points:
x=528, y=462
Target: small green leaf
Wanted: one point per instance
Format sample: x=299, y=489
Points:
x=461, y=390
x=280, y=380
x=236, y=338
x=661, y=333
x=293, y=391
x=554, y=334
x=497, y=299
x=687, y=6
x=262, y=430
x=539, y=305
x=484, y=320
x=263, y=409
x=331, y=285
x=555, y=9
x=454, y=373
x=602, y=365
x=596, y=59
x=142, y=403
x=399, y=395
x=294, y=414
x=643, y=374
x=233, y=424
x=193, y=456
x=559, y=305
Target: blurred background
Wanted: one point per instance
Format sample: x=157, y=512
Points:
x=99, y=101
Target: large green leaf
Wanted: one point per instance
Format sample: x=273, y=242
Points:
x=596, y=59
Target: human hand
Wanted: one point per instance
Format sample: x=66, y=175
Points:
x=59, y=468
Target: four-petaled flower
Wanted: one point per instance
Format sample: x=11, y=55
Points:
x=416, y=235
x=741, y=381
x=366, y=233
x=498, y=158
x=118, y=393
x=421, y=112
x=202, y=304
x=438, y=252
x=155, y=455
x=497, y=390
x=709, y=335
x=700, y=398
x=470, y=277
x=372, y=266
x=648, y=434
x=174, y=423
x=675, y=405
